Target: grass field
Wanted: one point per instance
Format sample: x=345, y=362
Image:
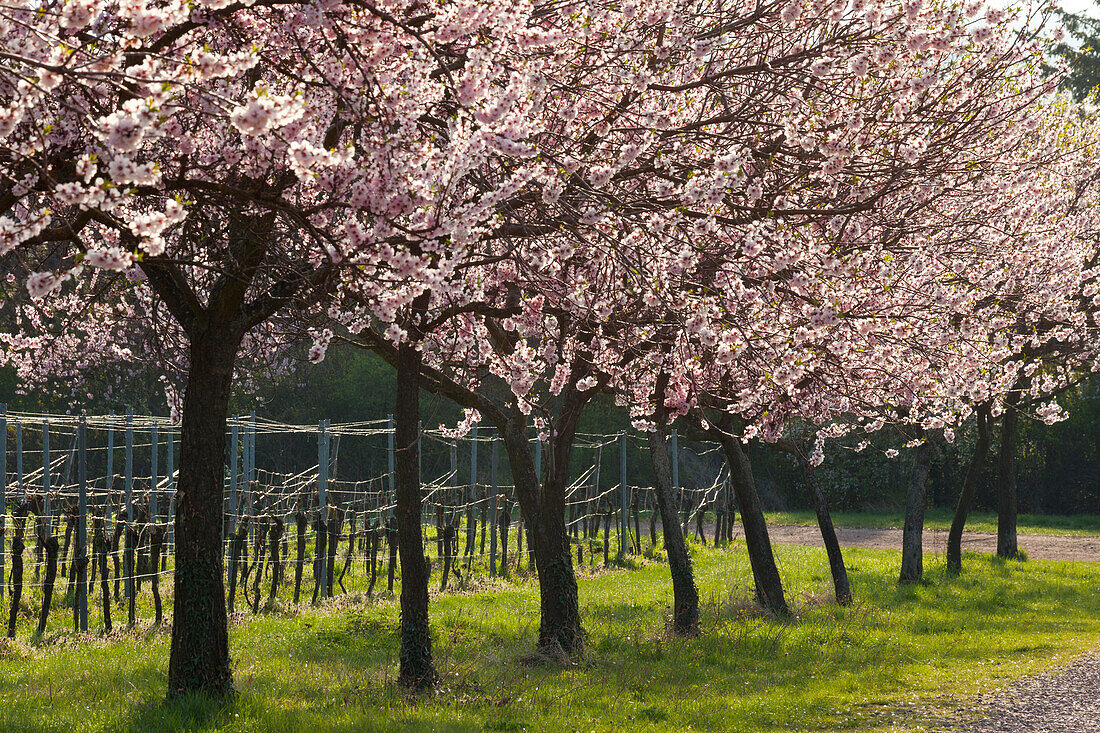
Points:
x=1051, y=524
x=893, y=661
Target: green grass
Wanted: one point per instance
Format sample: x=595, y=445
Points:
x=1049, y=524
x=897, y=657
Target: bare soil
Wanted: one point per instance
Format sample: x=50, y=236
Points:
x=1042, y=547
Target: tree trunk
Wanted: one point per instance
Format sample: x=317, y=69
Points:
x=277, y=530
x=970, y=486
x=543, y=513
x=828, y=535
x=105, y=585
x=685, y=605
x=417, y=670
x=199, y=659
x=157, y=539
x=51, y=547
x=912, y=535
x=769, y=587
x=1006, y=480
x=300, y=551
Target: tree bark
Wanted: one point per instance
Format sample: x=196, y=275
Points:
x=969, y=488
x=685, y=604
x=1006, y=479
x=769, y=586
x=51, y=547
x=543, y=513
x=301, y=521
x=199, y=659
x=912, y=535
x=417, y=670
x=841, y=588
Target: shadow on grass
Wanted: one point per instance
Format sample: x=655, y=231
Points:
x=194, y=712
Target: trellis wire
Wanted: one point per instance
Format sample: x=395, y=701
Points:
x=356, y=508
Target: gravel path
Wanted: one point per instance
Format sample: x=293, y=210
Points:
x=1039, y=546
x=1064, y=701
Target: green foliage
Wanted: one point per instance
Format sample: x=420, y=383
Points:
x=1081, y=48
x=899, y=656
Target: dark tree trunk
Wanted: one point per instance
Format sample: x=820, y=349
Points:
x=320, y=553
x=841, y=588
x=277, y=529
x=505, y=526
x=131, y=575
x=259, y=546
x=116, y=540
x=543, y=513
x=70, y=522
x=51, y=547
x=301, y=521
x=969, y=488
x=391, y=547
x=685, y=604
x=236, y=548
x=330, y=565
x=769, y=586
x=372, y=547
x=157, y=542
x=199, y=660
x=417, y=670
x=104, y=581
x=19, y=520
x=348, y=557
x=1006, y=479
x=912, y=534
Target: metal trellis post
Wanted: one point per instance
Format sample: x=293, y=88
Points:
x=155, y=448
x=19, y=460
x=322, y=500
x=623, y=491
x=171, y=488
x=389, y=436
x=80, y=611
x=129, y=485
x=496, y=501
x=46, y=468
x=3, y=489
x=233, y=439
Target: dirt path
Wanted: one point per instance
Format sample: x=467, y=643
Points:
x=1038, y=546
x=1063, y=701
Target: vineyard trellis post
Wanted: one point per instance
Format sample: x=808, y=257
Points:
x=322, y=501
x=170, y=439
x=623, y=520
x=473, y=484
x=234, y=437
x=110, y=456
x=46, y=469
x=19, y=460
x=128, y=553
x=154, y=441
x=250, y=472
x=3, y=489
x=80, y=611
x=389, y=454
x=496, y=503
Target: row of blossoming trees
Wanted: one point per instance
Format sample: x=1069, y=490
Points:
x=788, y=221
